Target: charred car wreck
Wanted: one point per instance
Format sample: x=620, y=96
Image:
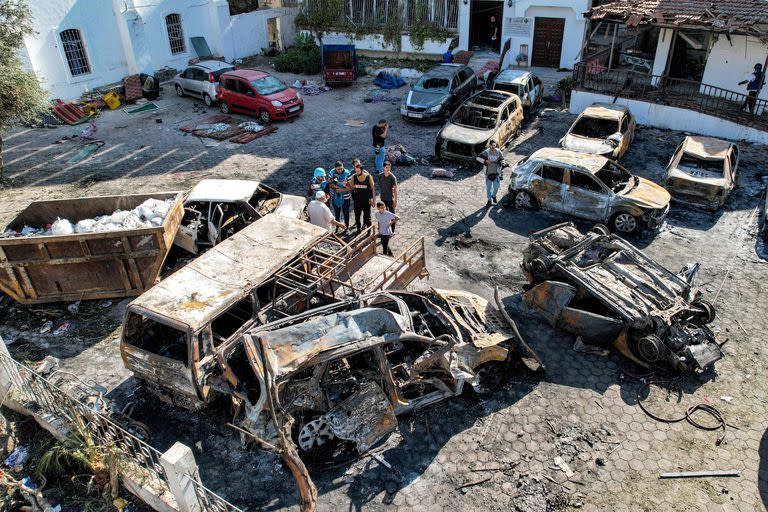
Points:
x=603, y=289
x=342, y=373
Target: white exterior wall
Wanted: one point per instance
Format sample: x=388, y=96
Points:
x=95, y=20
x=124, y=37
x=573, y=33
x=376, y=43
x=731, y=62
x=673, y=118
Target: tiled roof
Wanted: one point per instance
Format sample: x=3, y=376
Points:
x=721, y=14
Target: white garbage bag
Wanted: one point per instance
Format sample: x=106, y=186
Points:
x=85, y=226
x=62, y=227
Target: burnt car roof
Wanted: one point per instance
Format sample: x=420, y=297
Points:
x=605, y=111
x=490, y=99
x=706, y=147
x=586, y=161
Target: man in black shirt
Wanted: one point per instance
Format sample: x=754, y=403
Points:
x=379, y=133
x=363, y=195
x=388, y=188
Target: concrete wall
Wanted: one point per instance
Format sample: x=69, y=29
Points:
x=124, y=37
x=95, y=19
x=732, y=61
x=376, y=43
x=673, y=118
x=573, y=35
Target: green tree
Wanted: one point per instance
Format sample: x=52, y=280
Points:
x=23, y=98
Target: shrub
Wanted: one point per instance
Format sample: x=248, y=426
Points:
x=302, y=58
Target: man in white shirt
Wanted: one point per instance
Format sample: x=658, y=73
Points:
x=320, y=214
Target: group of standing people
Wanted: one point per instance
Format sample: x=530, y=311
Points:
x=356, y=190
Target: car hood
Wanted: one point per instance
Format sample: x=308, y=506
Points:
x=465, y=135
x=647, y=194
x=424, y=99
x=282, y=96
x=585, y=145
x=291, y=206
x=698, y=176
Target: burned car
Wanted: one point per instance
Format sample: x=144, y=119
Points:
x=588, y=186
x=605, y=290
x=602, y=129
x=344, y=372
x=525, y=84
x=216, y=209
x=702, y=171
x=485, y=116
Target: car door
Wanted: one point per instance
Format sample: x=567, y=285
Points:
x=466, y=82
x=586, y=196
x=536, y=90
x=215, y=221
x=732, y=165
x=548, y=185
x=196, y=83
x=251, y=100
x=185, y=79
x=626, y=135
x=503, y=127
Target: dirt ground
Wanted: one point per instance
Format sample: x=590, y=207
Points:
x=583, y=409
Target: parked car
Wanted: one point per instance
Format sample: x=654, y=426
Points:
x=523, y=83
x=602, y=129
x=588, y=186
x=201, y=80
x=216, y=209
x=486, y=115
x=345, y=371
x=608, y=292
x=702, y=172
x=438, y=92
x=257, y=93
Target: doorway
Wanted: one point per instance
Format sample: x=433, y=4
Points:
x=690, y=54
x=547, y=42
x=273, y=34
x=480, y=28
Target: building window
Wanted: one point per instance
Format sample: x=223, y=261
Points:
x=175, y=33
x=74, y=50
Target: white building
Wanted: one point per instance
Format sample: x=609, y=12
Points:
x=550, y=32
x=83, y=44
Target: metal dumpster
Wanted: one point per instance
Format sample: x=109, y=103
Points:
x=85, y=266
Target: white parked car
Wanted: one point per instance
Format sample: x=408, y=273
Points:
x=201, y=80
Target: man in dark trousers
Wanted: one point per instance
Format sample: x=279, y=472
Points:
x=388, y=188
x=363, y=195
x=754, y=84
x=379, y=133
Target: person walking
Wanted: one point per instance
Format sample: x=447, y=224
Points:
x=338, y=179
x=388, y=188
x=317, y=183
x=754, y=84
x=363, y=195
x=379, y=134
x=494, y=29
x=386, y=221
x=320, y=214
x=493, y=160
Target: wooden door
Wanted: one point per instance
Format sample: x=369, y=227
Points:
x=547, y=42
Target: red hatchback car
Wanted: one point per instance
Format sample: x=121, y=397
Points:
x=258, y=93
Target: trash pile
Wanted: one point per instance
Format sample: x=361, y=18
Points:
x=310, y=87
x=380, y=96
x=213, y=128
x=151, y=213
x=251, y=126
x=400, y=156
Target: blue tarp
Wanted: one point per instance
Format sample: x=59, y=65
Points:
x=387, y=81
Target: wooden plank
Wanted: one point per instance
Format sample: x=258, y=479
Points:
x=81, y=259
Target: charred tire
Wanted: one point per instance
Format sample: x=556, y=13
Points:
x=207, y=100
x=705, y=311
x=138, y=430
x=314, y=441
x=264, y=116
x=491, y=377
x=179, y=91
x=524, y=200
x=541, y=265
x=224, y=107
x=600, y=229
x=625, y=223
x=650, y=348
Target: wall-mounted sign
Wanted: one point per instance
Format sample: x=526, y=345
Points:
x=518, y=27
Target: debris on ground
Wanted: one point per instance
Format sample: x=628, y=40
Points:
x=251, y=126
x=438, y=172
x=580, y=346
x=700, y=474
x=380, y=96
x=18, y=457
x=398, y=155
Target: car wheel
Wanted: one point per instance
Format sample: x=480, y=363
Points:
x=179, y=91
x=625, y=223
x=208, y=101
x=224, y=107
x=524, y=200
x=650, y=348
x=316, y=442
x=600, y=229
x=705, y=311
x=264, y=116
x=491, y=377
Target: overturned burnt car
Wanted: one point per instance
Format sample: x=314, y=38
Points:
x=341, y=374
x=605, y=290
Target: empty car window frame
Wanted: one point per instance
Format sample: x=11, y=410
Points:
x=551, y=172
x=585, y=181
